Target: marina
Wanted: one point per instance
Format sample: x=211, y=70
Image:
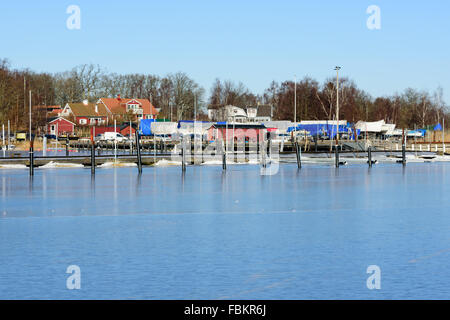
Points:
x=237, y=159
x=299, y=234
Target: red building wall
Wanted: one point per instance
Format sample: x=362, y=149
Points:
x=101, y=130
x=126, y=131
x=63, y=126
x=239, y=134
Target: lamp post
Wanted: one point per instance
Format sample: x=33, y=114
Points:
x=295, y=106
x=337, y=104
x=443, y=135
x=195, y=107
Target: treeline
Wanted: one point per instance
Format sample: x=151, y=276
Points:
x=409, y=109
x=177, y=95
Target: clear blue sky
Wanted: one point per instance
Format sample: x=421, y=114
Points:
x=249, y=41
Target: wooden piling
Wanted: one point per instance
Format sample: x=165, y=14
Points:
x=403, y=148
x=183, y=155
x=224, y=157
x=93, y=157
x=369, y=156
x=298, y=151
x=404, y=155
x=336, y=155
x=138, y=152
x=31, y=157
x=257, y=145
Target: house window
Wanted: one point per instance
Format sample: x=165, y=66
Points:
x=53, y=128
x=83, y=121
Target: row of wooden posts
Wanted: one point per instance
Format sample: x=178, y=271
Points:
x=138, y=154
x=264, y=150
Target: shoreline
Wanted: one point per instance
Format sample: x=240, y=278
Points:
x=148, y=160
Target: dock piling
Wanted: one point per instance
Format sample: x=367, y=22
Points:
x=93, y=157
x=138, y=152
x=298, y=151
x=183, y=155
x=67, y=145
x=224, y=157
x=31, y=157
x=403, y=148
x=369, y=156
x=336, y=155
x=403, y=154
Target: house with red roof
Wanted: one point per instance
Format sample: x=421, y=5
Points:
x=85, y=113
x=135, y=108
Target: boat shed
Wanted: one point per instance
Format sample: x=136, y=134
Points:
x=236, y=132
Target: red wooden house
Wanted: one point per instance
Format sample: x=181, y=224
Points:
x=59, y=126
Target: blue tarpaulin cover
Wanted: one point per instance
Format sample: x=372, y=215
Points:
x=421, y=131
x=438, y=127
x=323, y=129
x=146, y=127
x=189, y=121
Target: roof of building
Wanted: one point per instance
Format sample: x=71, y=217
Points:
x=127, y=124
x=47, y=107
x=118, y=105
x=239, y=126
x=88, y=110
x=50, y=120
x=264, y=111
x=54, y=107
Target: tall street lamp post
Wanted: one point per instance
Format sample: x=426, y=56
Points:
x=337, y=105
x=295, y=107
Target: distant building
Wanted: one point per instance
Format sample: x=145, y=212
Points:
x=237, y=132
x=59, y=125
x=261, y=113
x=281, y=125
x=85, y=114
x=232, y=113
x=119, y=107
x=228, y=113
x=125, y=129
x=51, y=111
